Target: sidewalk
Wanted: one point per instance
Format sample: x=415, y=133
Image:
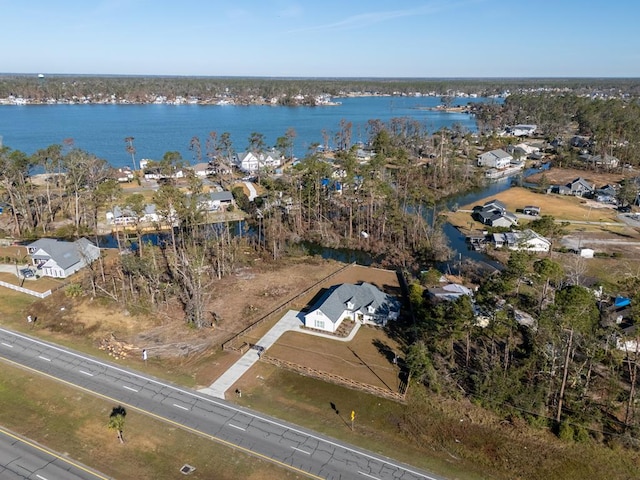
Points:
x=291, y=321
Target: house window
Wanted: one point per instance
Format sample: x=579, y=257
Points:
x=318, y=323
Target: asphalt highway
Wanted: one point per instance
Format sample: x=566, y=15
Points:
x=21, y=458
x=296, y=448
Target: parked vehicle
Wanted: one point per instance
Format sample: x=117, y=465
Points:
x=27, y=273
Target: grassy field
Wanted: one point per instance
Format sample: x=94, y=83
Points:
x=71, y=421
x=561, y=207
x=366, y=359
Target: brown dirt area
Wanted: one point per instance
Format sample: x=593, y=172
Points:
x=239, y=300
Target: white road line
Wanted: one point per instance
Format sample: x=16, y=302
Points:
x=134, y=390
x=301, y=451
x=180, y=406
x=367, y=475
x=7, y=345
x=41, y=477
x=86, y=373
x=236, y=426
x=211, y=401
x=44, y=358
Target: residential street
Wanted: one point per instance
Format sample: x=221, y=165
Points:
x=285, y=444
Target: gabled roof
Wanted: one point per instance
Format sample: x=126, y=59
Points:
x=495, y=203
x=580, y=182
x=65, y=254
x=118, y=212
x=334, y=301
x=223, y=196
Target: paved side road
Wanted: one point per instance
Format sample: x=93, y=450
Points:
x=21, y=458
x=303, y=451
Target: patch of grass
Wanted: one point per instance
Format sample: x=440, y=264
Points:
x=327, y=408
x=453, y=438
x=70, y=421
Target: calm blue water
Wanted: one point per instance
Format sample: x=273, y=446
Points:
x=157, y=129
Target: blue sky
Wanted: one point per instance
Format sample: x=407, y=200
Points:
x=323, y=38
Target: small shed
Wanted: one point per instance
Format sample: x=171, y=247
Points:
x=586, y=252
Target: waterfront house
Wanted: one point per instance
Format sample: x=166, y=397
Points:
x=362, y=302
x=121, y=216
x=526, y=240
x=215, y=201
x=522, y=150
x=123, y=175
x=60, y=259
x=495, y=159
x=578, y=187
x=495, y=214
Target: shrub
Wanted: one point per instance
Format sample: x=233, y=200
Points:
x=566, y=432
x=73, y=290
x=582, y=434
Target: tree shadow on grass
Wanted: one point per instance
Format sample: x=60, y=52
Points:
x=335, y=409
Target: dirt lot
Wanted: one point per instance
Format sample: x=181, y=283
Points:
x=239, y=300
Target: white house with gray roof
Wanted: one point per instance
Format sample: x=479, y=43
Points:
x=59, y=259
x=495, y=159
x=361, y=302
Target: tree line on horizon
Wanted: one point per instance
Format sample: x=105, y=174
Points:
x=142, y=88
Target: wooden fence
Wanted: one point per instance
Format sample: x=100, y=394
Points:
x=339, y=380
x=230, y=344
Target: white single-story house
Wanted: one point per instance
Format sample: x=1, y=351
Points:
x=126, y=216
x=123, y=175
x=495, y=159
x=361, y=302
x=216, y=201
x=59, y=259
x=522, y=130
x=526, y=240
x=203, y=169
